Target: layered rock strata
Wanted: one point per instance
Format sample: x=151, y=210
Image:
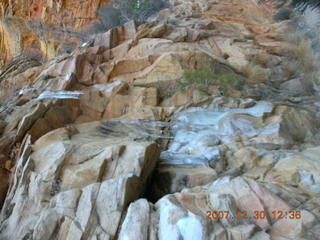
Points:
x=101, y=144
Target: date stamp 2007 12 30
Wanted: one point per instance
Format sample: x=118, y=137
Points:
x=255, y=215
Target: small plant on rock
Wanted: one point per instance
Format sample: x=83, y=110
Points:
x=226, y=81
x=201, y=79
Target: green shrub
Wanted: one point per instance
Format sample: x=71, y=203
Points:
x=195, y=78
x=201, y=79
x=226, y=81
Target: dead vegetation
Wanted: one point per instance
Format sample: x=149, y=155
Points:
x=255, y=73
x=302, y=61
x=261, y=59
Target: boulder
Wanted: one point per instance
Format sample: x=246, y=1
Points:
x=298, y=169
x=236, y=207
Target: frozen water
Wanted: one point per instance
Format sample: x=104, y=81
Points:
x=108, y=87
x=184, y=160
x=25, y=90
x=60, y=95
x=167, y=230
x=197, y=132
x=190, y=228
x=311, y=180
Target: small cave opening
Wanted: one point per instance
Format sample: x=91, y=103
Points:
x=158, y=185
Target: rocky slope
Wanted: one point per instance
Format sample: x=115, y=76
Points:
x=100, y=144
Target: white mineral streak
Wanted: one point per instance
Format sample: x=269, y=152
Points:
x=198, y=131
x=108, y=87
x=60, y=95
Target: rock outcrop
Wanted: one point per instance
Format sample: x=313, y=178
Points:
x=33, y=27
x=101, y=143
x=88, y=178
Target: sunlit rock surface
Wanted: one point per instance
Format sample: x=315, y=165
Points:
x=185, y=215
x=88, y=177
x=101, y=143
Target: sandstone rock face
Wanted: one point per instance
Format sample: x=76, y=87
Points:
x=101, y=143
x=18, y=36
x=87, y=179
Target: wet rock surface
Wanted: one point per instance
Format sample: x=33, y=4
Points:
x=101, y=144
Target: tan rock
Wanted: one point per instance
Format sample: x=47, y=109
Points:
x=300, y=169
x=136, y=223
x=158, y=31
x=258, y=200
x=130, y=102
x=127, y=66
x=117, y=35
x=55, y=117
x=82, y=172
x=292, y=228
x=76, y=182
x=246, y=157
x=28, y=120
x=178, y=35
x=299, y=124
x=186, y=214
x=93, y=104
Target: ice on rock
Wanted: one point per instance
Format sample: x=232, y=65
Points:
x=85, y=44
x=183, y=160
x=108, y=87
x=220, y=182
x=177, y=223
x=309, y=179
x=68, y=76
x=167, y=230
x=26, y=90
x=190, y=228
x=197, y=132
x=60, y=95
x=306, y=177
